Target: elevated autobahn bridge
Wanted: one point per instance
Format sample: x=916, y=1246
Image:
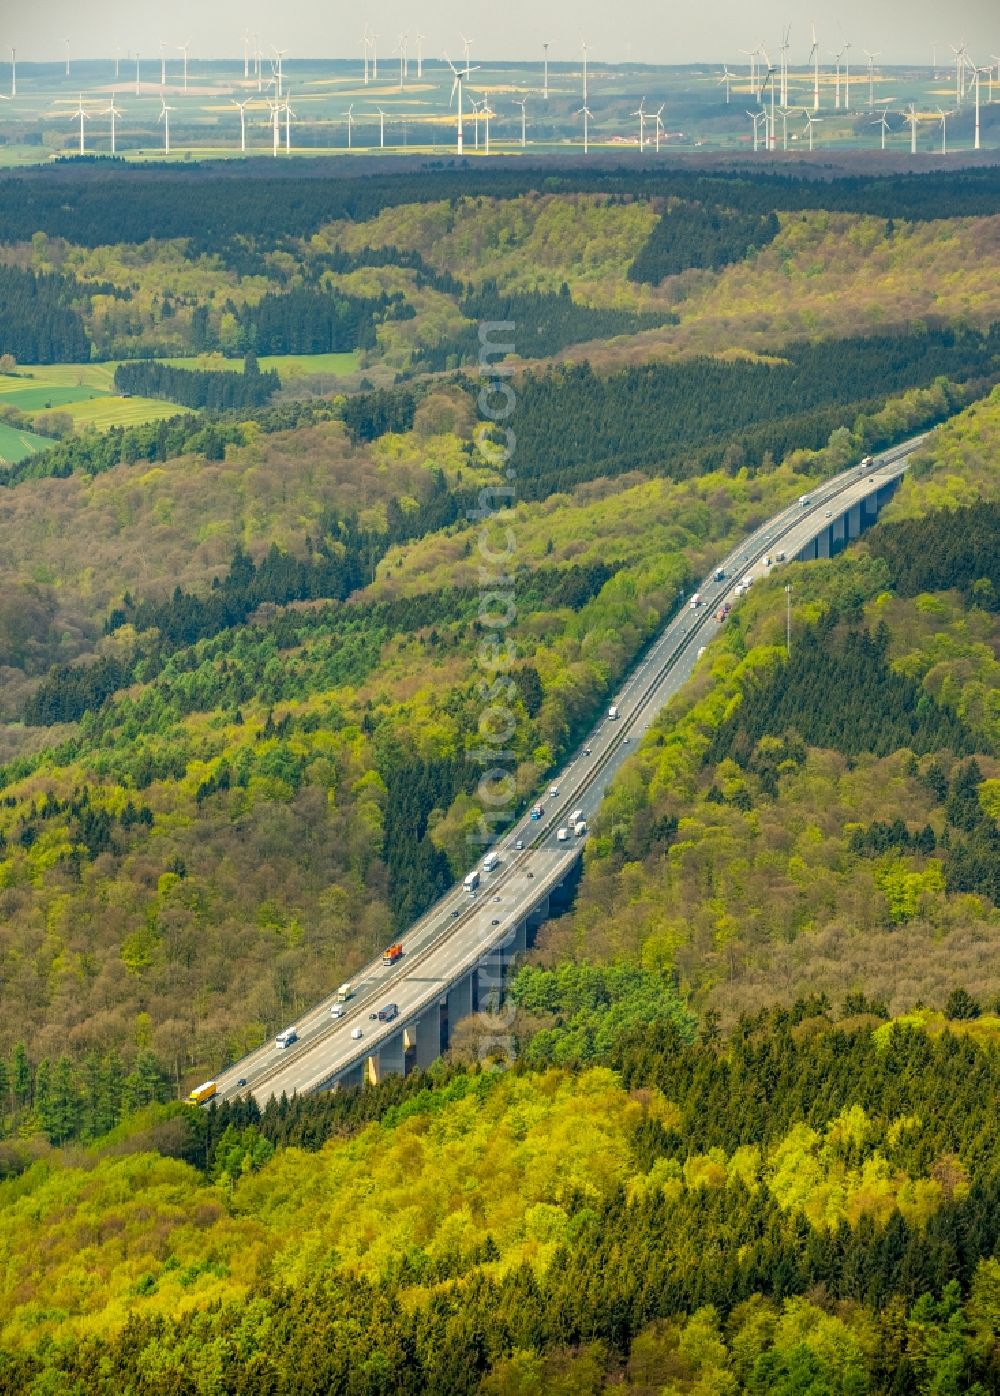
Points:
x=459, y=955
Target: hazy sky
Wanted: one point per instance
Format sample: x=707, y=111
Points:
x=643, y=30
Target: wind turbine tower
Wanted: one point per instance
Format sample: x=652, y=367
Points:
x=243, y=122
x=165, y=118
x=13, y=73
x=82, y=116
x=847, y=77
x=944, y=131
x=461, y=76
x=279, y=54
x=587, y=115
x=420, y=56
x=288, y=123
x=641, y=114
x=114, y=113
x=784, y=66
x=66, y=42
x=137, y=89
x=658, y=119
x=871, y=79
x=545, y=70
x=366, y=41
x=184, y=50
x=350, y=125
x=381, y=129
x=246, y=55
x=583, y=46
x=811, y=121
x=726, y=78
x=522, y=102
x=883, y=121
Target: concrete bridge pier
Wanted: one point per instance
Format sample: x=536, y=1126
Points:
x=823, y=548
x=855, y=522
x=428, y=1036
x=389, y=1060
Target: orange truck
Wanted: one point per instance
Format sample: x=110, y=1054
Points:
x=392, y=954
x=202, y=1093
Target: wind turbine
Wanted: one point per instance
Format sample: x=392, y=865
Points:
x=83, y=116
x=545, y=80
x=165, y=118
x=756, y=117
x=13, y=75
x=814, y=60
x=783, y=50
x=275, y=112
x=420, y=56
x=641, y=114
x=487, y=112
x=912, y=119
x=522, y=102
x=959, y=72
x=243, y=121
x=785, y=113
x=883, y=121
x=726, y=78
x=460, y=77
x=751, y=55
x=944, y=131
x=367, y=42
x=466, y=48
x=137, y=89
x=350, y=124
x=257, y=55
x=184, y=49
x=401, y=49
x=381, y=129
x=871, y=79
x=118, y=58
x=279, y=54
x=657, y=117
x=66, y=42
x=811, y=121
x=374, y=39
x=977, y=75
x=587, y=115
x=163, y=66
x=114, y=113
x=246, y=55
x=996, y=60
x=847, y=75
x=769, y=130
x=583, y=46
x=836, y=91
x=288, y=123
x=475, y=130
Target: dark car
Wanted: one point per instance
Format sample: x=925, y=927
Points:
x=496, y=920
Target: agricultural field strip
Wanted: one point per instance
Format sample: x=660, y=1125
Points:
x=671, y=657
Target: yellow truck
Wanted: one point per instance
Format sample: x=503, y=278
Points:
x=202, y=1093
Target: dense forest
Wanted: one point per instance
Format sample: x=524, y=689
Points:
x=218, y=392
x=216, y=205
x=691, y=236
x=789, y=1209
x=945, y=548
x=39, y=323
x=695, y=415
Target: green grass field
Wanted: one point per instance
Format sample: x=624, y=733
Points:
x=104, y=412
x=87, y=391
x=288, y=366
x=15, y=445
x=44, y=397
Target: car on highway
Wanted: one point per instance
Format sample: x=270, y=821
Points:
x=337, y=1011
x=242, y=1081
x=519, y=844
x=553, y=791
x=496, y=921
x=586, y=751
x=455, y=911
x=356, y=1034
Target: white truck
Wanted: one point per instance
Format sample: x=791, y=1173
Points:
x=695, y=601
x=613, y=712
x=491, y=861
x=576, y=816
x=345, y=992
x=580, y=828
x=562, y=834
x=471, y=880
x=286, y=1038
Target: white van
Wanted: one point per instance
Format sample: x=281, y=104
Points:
x=562, y=834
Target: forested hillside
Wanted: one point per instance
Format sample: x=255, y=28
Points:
x=787, y=1210
x=829, y=821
